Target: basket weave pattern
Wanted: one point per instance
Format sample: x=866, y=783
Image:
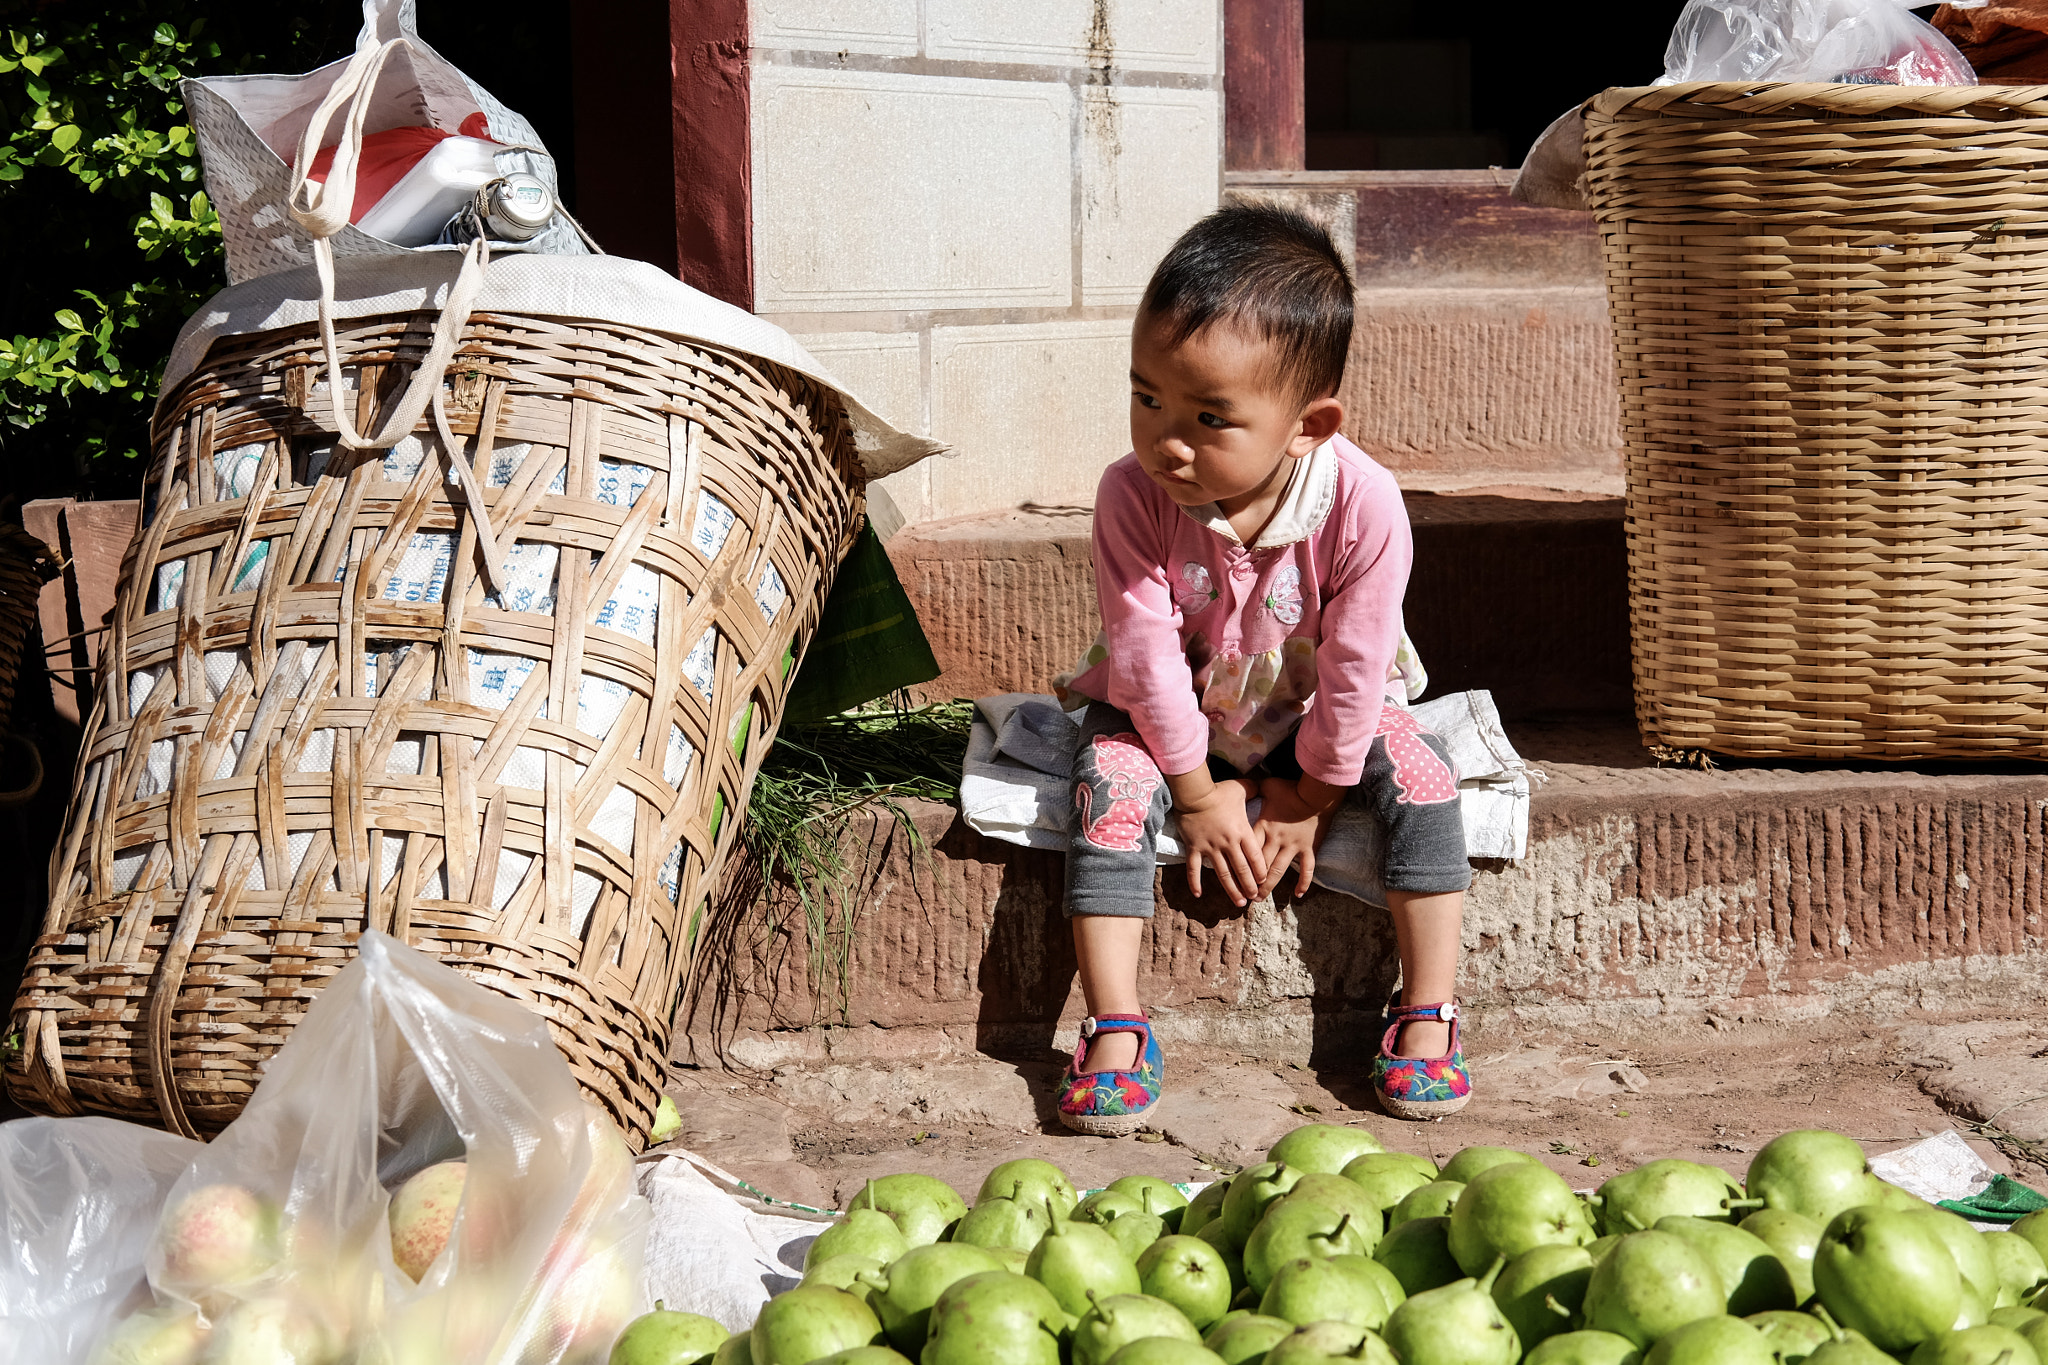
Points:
x=1830, y=308
x=315, y=718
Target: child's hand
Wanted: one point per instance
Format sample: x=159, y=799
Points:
x=1291, y=826
x=1214, y=830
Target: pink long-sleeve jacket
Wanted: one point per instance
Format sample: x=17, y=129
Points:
x=1216, y=647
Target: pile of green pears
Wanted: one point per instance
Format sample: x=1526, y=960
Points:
x=1336, y=1250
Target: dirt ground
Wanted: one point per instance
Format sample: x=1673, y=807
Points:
x=1590, y=1106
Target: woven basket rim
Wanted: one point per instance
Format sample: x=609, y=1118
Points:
x=1740, y=99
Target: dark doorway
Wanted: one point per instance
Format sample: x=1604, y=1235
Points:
x=1408, y=85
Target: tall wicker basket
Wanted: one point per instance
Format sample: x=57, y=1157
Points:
x=316, y=718
x=1830, y=309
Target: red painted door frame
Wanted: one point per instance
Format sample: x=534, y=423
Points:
x=1263, y=118
x=664, y=166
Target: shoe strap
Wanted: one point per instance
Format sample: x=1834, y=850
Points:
x=1397, y=1015
x=1095, y=1025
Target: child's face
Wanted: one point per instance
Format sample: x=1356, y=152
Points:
x=1208, y=422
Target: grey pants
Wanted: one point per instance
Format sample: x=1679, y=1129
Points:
x=1121, y=800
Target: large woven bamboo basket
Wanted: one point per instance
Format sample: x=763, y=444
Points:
x=1830, y=309
x=316, y=719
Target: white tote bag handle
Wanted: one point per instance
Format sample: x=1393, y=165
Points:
x=323, y=210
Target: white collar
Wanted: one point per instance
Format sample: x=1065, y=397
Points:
x=1304, y=504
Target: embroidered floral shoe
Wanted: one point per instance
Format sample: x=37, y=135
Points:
x=1421, y=1087
x=1112, y=1103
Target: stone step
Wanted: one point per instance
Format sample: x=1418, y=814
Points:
x=1517, y=588
x=1743, y=893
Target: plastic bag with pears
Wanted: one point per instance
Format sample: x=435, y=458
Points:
x=519, y=1245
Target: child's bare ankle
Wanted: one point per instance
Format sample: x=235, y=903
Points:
x=1112, y=1052
x=1423, y=1038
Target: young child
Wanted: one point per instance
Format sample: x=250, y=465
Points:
x=1250, y=563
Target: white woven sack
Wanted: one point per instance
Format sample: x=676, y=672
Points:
x=248, y=129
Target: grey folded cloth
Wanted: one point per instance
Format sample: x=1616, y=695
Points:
x=1015, y=785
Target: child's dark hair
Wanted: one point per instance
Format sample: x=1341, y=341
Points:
x=1270, y=270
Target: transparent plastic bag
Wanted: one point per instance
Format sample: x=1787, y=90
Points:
x=1862, y=42
x=273, y=1242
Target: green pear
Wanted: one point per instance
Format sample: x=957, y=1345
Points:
x=1584, y=1348
x=1244, y=1339
x=1291, y=1230
x=1599, y=1245
x=904, y=1293
x=1233, y=1260
x=1324, y=1147
x=1459, y=1324
x=1189, y=1274
x=1030, y=1181
x=2034, y=1228
x=1419, y=1254
x=1791, y=1336
x=735, y=1350
x=1886, y=1195
x=1434, y=1200
x=1754, y=1277
x=1114, y=1321
x=923, y=1207
x=862, y=1232
x=1340, y=1195
x=1165, y=1351
x=1511, y=1208
x=1810, y=1172
x=1850, y=1348
x=1252, y=1192
x=997, y=1318
x=1650, y=1283
x=799, y=1325
x=1541, y=1291
x=1794, y=1237
x=1385, y=1177
x=1011, y=1259
x=1079, y=1262
x=864, y=1355
x=2035, y=1330
x=1002, y=1223
x=1636, y=1200
x=1986, y=1345
x=1472, y=1160
x=1205, y=1205
x=1972, y=1254
x=1135, y=1231
x=2019, y=1266
x=2018, y=1319
x=1721, y=1340
x=1158, y=1196
x=1351, y=1289
x=1330, y=1343
x=1099, y=1207
x=1889, y=1276
x=844, y=1272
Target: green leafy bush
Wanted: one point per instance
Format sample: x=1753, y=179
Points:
x=109, y=241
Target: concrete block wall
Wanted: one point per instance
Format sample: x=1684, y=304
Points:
x=956, y=204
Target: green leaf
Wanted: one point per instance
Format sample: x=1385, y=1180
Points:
x=69, y=320
x=66, y=137
x=166, y=35
x=9, y=171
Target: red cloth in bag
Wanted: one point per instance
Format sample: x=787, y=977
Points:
x=387, y=156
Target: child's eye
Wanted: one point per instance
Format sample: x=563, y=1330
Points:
x=1210, y=419
x=1145, y=399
